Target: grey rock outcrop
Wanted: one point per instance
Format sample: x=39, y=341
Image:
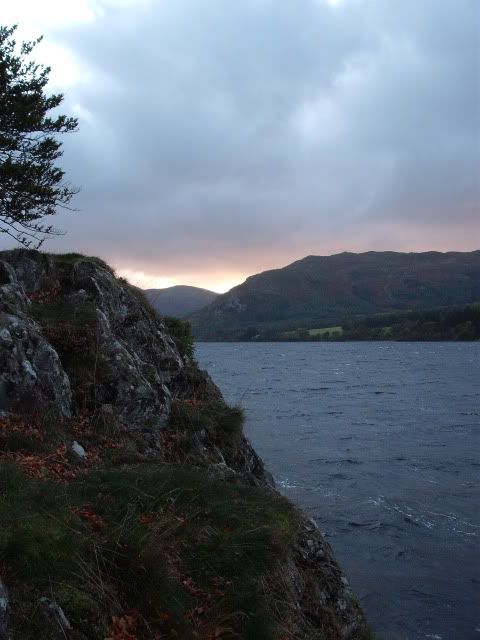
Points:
x=55, y=621
x=73, y=336
x=4, y=611
x=78, y=450
x=131, y=357
x=31, y=375
x=323, y=592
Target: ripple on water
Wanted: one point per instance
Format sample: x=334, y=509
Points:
x=408, y=416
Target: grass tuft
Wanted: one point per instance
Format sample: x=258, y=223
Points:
x=187, y=552
x=215, y=423
x=74, y=258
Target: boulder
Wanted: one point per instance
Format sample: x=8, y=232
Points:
x=4, y=610
x=31, y=375
x=56, y=623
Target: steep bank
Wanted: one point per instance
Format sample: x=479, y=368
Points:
x=132, y=505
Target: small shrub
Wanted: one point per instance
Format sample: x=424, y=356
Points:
x=221, y=424
x=181, y=332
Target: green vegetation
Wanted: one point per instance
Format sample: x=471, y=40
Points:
x=458, y=323
x=58, y=258
x=73, y=258
x=450, y=323
x=181, y=332
x=62, y=312
x=327, y=331
x=221, y=425
x=31, y=183
x=71, y=327
x=328, y=291
x=188, y=556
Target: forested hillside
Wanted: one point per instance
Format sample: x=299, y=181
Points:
x=319, y=292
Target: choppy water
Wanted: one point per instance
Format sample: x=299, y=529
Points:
x=380, y=442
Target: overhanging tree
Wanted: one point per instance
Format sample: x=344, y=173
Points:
x=32, y=186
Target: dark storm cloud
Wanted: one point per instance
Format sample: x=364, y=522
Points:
x=237, y=135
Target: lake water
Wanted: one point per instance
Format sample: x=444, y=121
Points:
x=380, y=443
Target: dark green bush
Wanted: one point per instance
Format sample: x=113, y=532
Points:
x=181, y=332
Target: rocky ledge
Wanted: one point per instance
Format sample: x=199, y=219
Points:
x=134, y=506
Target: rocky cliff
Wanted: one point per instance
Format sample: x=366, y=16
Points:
x=131, y=503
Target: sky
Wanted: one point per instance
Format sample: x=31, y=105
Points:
x=218, y=139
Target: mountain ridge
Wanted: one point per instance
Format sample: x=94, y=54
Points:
x=179, y=300
x=317, y=291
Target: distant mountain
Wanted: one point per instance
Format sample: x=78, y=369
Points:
x=179, y=301
x=322, y=291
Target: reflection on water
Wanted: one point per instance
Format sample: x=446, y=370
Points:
x=380, y=443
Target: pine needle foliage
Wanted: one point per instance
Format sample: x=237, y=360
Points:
x=32, y=185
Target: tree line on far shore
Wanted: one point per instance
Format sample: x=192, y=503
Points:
x=450, y=323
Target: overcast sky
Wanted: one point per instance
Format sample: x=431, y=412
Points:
x=220, y=138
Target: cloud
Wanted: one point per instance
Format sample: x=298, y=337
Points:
x=224, y=138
